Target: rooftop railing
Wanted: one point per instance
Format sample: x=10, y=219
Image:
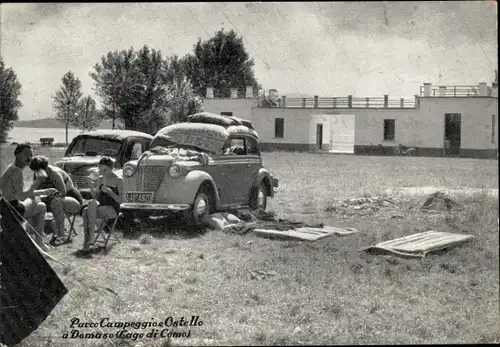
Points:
x=271, y=99
x=454, y=91
x=339, y=102
x=235, y=93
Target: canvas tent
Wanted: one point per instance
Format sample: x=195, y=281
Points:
x=29, y=287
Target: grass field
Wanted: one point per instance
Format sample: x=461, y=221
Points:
x=319, y=293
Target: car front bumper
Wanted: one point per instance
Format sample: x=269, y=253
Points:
x=132, y=206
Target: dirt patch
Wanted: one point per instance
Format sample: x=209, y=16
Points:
x=419, y=191
x=439, y=201
x=369, y=206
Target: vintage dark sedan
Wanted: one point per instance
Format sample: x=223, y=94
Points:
x=209, y=163
x=86, y=149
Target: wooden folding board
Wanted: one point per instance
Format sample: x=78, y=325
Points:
x=418, y=245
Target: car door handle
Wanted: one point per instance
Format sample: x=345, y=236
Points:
x=248, y=165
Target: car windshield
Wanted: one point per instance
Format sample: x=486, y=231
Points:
x=94, y=146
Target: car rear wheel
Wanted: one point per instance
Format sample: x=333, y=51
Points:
x=258, y=197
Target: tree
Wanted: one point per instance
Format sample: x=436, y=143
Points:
x=174, y=100
x=220, y=62
x=143, y=89
x=66, y=101
x=148, y=111
x=113, y=75
x=88, y=116
x=182, y=100
x=10, y=90
x=127, y=83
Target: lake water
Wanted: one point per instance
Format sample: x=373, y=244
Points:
x=23, y=134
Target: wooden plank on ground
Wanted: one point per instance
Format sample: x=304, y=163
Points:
x=420, y=244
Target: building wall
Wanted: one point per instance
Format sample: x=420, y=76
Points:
x=476, y=119
x=422, y=127
x=241, y=108
x=409, y=127
x=297, y=128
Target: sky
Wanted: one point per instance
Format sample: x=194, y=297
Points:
x=311, y=48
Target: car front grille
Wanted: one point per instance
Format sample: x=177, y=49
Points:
x=148, y=178
x=80, y=182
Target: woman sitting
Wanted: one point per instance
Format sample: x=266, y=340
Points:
x=107, y=192
x=67, y=199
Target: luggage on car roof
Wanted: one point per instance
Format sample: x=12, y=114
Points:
x=212, y=118
x=245, y=122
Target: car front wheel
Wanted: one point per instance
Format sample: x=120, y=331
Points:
x=258, y=197
x=200, y=209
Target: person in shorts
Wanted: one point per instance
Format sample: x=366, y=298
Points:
x=26, y=202
x=107, y=191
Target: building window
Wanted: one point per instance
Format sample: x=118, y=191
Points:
x=279, y=127
x=493, y=128
x=389, y=129
x=228, y=114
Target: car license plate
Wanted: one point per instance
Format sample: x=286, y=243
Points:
x=140, y=197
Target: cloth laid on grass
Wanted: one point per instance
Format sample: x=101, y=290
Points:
x=269, y=226
x=265, y=224
x=419, y=245
x=29, y=287
x=229, y=223
x=306, y=233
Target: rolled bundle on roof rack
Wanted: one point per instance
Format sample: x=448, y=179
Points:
x=212, y=118
x=244, y=122
x=208, y=137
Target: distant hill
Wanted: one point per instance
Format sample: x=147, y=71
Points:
x=53, y=123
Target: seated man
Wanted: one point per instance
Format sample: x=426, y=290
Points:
x=68, y=199
x=12, y=188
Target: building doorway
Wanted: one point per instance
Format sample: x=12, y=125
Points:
x=319, y=136
x=452, y=132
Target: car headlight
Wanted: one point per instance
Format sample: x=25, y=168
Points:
x=128, y=170
x=174, y=171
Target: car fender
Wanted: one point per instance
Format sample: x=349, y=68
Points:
x=182, y=190
x=264, y=175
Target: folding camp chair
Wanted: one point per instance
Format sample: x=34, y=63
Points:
x=71, y=219
x=104, y=228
